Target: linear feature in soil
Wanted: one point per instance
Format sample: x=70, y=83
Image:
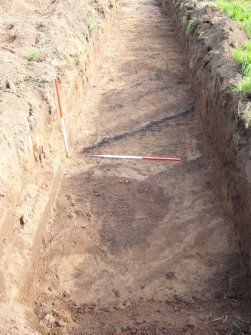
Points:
x=149, y=126
x=132, y=247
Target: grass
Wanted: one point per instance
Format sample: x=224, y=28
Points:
x=85, y=33
x=244, y=85
x=1, y=129
x=92, y=21
x=32, y=54
x=188, y=24
x=184, y=21
x=201, y=36
x=240, y=10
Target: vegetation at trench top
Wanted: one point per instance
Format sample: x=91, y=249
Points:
x=240, y=10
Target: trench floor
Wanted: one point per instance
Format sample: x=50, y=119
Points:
x=136, y=247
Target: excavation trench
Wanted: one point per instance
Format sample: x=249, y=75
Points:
x=136, y=247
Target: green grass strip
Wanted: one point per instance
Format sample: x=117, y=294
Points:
x=240, y=10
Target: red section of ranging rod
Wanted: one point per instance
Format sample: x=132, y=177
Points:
x=58, y=96
x=161, y=159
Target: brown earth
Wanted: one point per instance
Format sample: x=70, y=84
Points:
x=67, y=35
x=209, y=47
x=138, y=247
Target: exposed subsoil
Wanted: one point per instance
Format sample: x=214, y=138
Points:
x=66, y=35
x=137, y=247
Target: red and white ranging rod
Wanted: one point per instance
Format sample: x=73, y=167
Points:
x=174, y=159
x=62, y=120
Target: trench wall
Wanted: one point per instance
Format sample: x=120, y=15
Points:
x=208, y=38
x=31, y=144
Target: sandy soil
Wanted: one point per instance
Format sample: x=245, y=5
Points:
x=66, y=35
x=138, y=247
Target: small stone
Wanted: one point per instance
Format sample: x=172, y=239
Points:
x=23, y=221
x=49, y=319
x=10, y=26
x=139, y=321
x=78, y=212
x=170, y=275
x=9, y=85
x=191, y=323
x=70, y=216
x=60, y=323
x=55, y=312
x=116, y=292
x=66, y=294
x=127, y=303
x=109, y=309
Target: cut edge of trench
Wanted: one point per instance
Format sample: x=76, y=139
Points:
x=226, y=138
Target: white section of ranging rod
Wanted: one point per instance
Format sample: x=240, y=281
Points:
x=139, y=157
x=118, y=156
x=64, y=135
